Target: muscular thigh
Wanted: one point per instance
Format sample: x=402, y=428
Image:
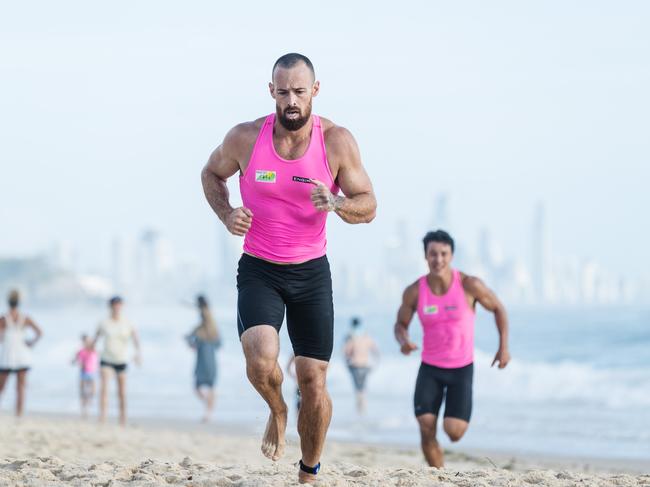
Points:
x=259, y=299
x=261, y=344
x=458, y=403
x=310, y=311
x=429, y=392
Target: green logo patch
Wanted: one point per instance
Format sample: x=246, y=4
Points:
x=262, y=176
x=431, y=310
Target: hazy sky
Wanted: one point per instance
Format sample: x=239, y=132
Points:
x=108, y=112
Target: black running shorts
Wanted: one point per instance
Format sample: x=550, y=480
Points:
x=118, y=368
x=434, y=382
x=305, y=290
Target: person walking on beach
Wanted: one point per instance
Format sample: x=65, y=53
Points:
x=291, y=165
x=358, y=348
x=15, y=353
x=116, y=332
x=87, y=360
x=445, y=301
x=205, y=341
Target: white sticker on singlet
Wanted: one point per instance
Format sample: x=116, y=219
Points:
x=431, y=310
x=262, y=176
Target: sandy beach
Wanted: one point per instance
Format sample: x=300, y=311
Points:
x=41, y=450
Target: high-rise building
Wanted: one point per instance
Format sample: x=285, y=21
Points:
x=118, y=265
x=441, y=218
x=155, y=257
x=542, y=272
x=489, y=251
x=64, y=257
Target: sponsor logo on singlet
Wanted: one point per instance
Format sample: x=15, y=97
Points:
x=300, y=179
x=451, y=307
x=262, y=176
x=431, y=310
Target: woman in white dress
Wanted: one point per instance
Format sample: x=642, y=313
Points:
x=15, y=353
x=117, y=332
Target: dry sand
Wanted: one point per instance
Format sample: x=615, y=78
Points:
x=52, y=451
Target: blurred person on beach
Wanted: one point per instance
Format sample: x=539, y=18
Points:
x=15, y=348
x=445, y=300
x=205, y=340
x=291, y=165
x=291, y=370
x=358, y=349
x=117, y=332
x=87, y=359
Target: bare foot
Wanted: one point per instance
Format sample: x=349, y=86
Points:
x=273, y=441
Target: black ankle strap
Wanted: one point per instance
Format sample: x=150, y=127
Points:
x=311, y=470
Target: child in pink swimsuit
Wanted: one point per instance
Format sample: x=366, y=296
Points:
x=87, y=360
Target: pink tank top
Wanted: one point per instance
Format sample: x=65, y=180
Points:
x=447, y=325
x=286, y=226
x=88, y=360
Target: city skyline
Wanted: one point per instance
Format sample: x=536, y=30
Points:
x=146, y=267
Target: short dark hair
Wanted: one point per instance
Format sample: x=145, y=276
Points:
x=201, y=301
x=356, y=321
x=290, y=60
x=114, y=300
x=438, y=236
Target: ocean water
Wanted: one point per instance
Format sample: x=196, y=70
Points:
x=578, y=383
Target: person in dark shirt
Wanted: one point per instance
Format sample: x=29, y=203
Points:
x=205, y=340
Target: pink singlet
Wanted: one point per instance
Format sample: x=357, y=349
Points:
x=447, y=324
x=286, y=226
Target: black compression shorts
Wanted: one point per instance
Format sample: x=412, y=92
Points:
x=432, y=384
x=118, y=368
x=305, y=290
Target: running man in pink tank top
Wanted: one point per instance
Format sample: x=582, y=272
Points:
x=445, y=301
x=291, y=166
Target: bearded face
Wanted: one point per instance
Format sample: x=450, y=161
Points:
x=293, y=90
x=293, y=118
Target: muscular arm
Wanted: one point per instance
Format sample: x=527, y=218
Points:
x=486, y=298
x=213, y=177
x=404, y=316
x=223, y=163
x=359, y=204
